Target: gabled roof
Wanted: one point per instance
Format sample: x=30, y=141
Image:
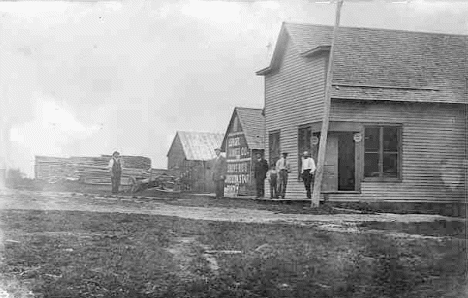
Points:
x=199, y=145
x=252, y=123
x=405, y=65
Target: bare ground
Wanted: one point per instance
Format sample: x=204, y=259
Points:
x=30, y=200
x=187, y=249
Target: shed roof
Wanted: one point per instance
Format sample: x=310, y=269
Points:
x=252, y=122
x=397, y=64
x=199, y=145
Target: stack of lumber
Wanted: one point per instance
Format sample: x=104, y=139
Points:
x=90, y=170
x=158, y=172
x=48, y=168
x=133, y=162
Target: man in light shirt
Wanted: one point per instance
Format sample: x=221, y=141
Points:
x=308, y=169
x=283, y=168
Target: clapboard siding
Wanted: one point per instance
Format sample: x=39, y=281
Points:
x=293, y=96
x=433, y=149
x=433, y=134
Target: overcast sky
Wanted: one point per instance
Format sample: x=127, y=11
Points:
x=88, y=78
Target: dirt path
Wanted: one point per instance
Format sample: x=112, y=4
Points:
x=94, y=203
x=183, y=249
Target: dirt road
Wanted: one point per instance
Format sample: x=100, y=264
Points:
x=94, y=203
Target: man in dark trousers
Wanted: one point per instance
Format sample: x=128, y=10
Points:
x=115, y=168
x=219, y=173
x=308, y=169
x=260, y=170
x=283, y=168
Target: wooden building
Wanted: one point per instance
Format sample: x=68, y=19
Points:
x=243, y=139
x=398, y=122
x=189, y=157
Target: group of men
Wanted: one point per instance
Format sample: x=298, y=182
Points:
x=219, y=169
x=278, y=174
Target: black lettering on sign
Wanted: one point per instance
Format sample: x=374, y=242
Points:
x=244, y=151
x=232, y=142
x=231, y=189
x=234, y=152
x=243, y=167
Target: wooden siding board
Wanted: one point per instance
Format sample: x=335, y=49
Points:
x=431, y=134
x=293, y=96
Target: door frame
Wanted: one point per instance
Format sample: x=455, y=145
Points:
x=348, y=126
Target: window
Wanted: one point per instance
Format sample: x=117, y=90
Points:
x=382, y=152
x=274, y=147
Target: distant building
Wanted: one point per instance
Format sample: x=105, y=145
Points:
x=398, y=128
x=243, y=139
x=189, y=157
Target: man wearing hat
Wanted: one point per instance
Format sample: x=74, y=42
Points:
x=260, y=170
x=115, y=168
x=219, y=173
x=307, y=172
x=283, y=168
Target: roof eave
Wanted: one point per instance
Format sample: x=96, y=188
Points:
x=264, y=72
x=315, y=51
x=273, y=61
x=223, y=143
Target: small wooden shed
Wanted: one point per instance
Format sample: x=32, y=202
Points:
x=243, y=139
x=189, y=157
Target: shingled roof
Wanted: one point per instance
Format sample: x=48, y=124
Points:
x=199, y=145
x=385, y=64
x=252, y=123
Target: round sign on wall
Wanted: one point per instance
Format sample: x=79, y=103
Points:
x=314, y=140
x=357, y=137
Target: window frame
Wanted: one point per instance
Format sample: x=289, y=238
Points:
x=381, y=177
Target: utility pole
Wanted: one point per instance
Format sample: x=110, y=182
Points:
x=326, y=113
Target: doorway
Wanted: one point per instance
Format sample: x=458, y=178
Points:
x=339, y=173
x=346, y=162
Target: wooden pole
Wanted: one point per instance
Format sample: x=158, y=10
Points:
x=315, y=202
x=466, y=161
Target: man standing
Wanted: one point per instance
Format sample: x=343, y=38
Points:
x=260, y=170
x=219, y=173
x=115, y=168
x=283, y=168
x=308, y=169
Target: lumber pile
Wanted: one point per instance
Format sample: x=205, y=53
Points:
x=132, y=162
x=92, y=170
x=47, y=168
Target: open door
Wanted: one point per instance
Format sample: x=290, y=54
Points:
x=330, y=169
x=346, y=162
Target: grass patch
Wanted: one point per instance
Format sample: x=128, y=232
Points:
x=80, y=254
x=435, y=228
